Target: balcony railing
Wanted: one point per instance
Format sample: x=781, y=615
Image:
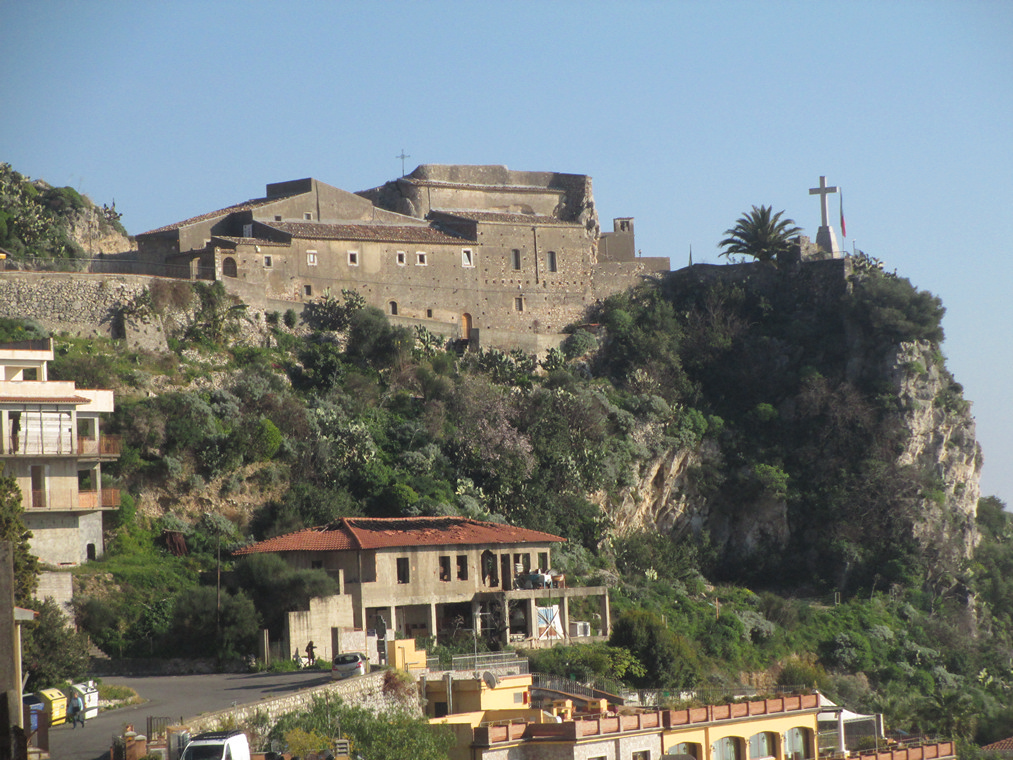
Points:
x=107, y=445
x=107, y=498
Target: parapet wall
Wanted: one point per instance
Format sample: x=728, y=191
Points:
x=363, y=691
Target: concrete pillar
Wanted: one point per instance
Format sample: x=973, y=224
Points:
x=532, y=619
x=432, y=619
x=564, y=616
x=476, y=617
x=606, y=616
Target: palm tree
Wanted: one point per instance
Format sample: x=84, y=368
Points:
x=760, y=235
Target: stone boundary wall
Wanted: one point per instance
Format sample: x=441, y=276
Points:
x=87, y=305
x=364, y=691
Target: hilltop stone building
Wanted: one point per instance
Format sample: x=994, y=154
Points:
x=497, y=257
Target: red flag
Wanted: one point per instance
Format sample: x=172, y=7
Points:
x=844, y=229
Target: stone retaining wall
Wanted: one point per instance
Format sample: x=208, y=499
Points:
x=364, y=691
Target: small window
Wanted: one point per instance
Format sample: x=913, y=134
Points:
x=641, y=754
x=429, y=313
x=311, y=258
x=353, y=258
x=420, y=259
x=467, y=258
x=543, y=560
x=515, y=259
x=403, y=573
x=518, y=304
x=393, y=308
x=402, y=257
x=277, y=217
x=518, y=698
x=462, y=567
x=267, y=262
x=247, y=230
x=552, y=261
x=444, y=569
x=307, y=289
x=308, y=216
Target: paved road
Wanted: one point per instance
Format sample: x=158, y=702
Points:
x=176, y=697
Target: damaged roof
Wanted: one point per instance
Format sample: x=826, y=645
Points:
x=355, y=533
x=384, y=233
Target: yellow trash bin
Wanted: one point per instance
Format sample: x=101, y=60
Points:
x=56, y=705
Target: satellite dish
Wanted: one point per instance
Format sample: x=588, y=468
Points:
x=490, y=679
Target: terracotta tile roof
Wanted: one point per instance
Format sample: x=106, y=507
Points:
x=352, y=533
x=244, y=206
x=383, y=233
x=475, y=215
x=1001, y=745
x=43, y=400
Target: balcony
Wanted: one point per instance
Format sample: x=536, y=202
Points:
x=106, y=446
x=107, y=498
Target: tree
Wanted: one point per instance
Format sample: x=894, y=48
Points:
x=53, y=651
x=760, y=235
x=669, y=659
x=13, y=529
x=194, y=633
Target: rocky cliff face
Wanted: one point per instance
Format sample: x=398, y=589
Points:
x=901, y=394
x=941, y=445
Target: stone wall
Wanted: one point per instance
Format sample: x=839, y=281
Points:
x=364, y=691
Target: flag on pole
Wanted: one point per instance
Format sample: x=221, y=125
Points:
x=844, y=229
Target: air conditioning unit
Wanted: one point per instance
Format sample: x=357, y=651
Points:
x=579, y=628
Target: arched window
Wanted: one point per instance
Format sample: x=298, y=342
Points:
x=229, y=267
x=729, y=748
x=686, y=748
x=393, y=308
x=798, y=744
x=762, y=745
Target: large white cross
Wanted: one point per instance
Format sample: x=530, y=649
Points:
x=823, y=191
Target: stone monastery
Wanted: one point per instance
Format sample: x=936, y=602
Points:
x=480, y=253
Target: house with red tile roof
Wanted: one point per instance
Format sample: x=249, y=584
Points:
x=480, y=253
x=425, y=576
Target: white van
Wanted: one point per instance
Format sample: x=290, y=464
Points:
x=218, y=745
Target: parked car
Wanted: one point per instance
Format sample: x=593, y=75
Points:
x=218, y=745
x=349, y=664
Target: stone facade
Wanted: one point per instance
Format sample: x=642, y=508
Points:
x=480, y=253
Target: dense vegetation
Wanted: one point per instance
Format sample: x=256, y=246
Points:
x=349, y=415
x=35, y=219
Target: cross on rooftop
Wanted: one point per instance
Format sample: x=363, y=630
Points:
x=402, y=156
x=823, y=191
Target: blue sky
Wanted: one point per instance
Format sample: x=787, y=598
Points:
x=684, y=113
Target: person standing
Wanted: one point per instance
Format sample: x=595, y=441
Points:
x=76, y=711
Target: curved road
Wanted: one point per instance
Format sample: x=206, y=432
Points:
x=176, y=697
